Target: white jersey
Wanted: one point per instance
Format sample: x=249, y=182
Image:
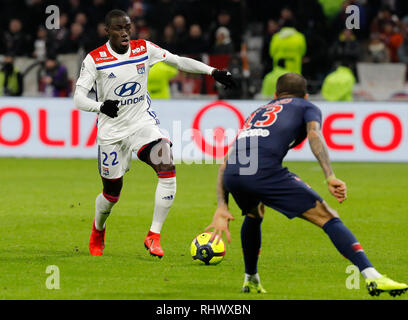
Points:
x=121, y=77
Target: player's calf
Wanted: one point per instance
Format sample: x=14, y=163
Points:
x=251, y=247
x=160, y=159
x=106, y=200
x=103, y=206
x=164, y=198
x=347, y=244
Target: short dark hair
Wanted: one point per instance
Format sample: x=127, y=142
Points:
x=291, y=84
x=113, y=14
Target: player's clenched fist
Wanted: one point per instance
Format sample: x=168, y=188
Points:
x=338, y=189
x=110, y=108
x=224, y=77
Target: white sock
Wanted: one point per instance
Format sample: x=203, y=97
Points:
x=103, y=208
x=371, y=273
x=252, y=277
x=165, y=193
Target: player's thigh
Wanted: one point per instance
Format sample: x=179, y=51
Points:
x=154, y=148
x=257, y=212
x=320, y=214
x=248, y=202
x=114, y=160
x=285, y=192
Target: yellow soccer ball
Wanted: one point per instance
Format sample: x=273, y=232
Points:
x=205, y=252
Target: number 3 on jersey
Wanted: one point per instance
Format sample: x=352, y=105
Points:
x=271, y=114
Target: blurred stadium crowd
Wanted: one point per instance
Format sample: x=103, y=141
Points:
x=256, y=40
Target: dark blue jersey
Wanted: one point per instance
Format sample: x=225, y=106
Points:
x=270, y=131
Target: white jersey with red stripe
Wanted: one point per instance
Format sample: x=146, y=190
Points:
x=121, y=77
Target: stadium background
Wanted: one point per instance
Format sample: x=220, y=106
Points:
x=40, y=121
x=189, y=28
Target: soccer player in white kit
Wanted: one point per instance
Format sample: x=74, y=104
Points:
x=118, y=72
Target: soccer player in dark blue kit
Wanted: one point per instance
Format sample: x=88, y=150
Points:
x=254, y=175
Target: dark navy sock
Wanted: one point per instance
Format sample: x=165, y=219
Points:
x=251, y=243
x=346, y=243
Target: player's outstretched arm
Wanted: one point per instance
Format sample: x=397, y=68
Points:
x=193, y=66
x=318, y=146
x=222, y=216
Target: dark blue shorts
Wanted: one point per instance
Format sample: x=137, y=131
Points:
x=277, y=188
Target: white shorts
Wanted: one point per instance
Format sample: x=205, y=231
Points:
x=114, y=160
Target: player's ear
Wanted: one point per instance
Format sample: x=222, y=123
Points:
x=306, y=97
x=275, y=96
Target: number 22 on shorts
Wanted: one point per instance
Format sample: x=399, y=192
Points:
x=107, y=157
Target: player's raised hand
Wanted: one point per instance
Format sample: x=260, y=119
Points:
x=220, y=224
x=110, y=108
x=338, y=189
x=224, y=77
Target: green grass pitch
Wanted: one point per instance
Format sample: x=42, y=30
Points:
x=47, y=207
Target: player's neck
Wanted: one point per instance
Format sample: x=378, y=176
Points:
x=118, y=50
x=285, y=96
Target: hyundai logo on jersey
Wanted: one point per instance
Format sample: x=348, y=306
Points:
x=127, y=89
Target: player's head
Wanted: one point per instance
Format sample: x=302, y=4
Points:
x=291, y=85
x=118, y=25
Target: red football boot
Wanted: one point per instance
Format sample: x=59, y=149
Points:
x=152, y=243
x=96, y=241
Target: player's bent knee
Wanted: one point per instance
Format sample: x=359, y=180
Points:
x=261, y=210
x=161, y=154
x=163, y=165
x=111, y=198
x=329, y=212
x=257, y=212
x=112, y=188
x=320, y=214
